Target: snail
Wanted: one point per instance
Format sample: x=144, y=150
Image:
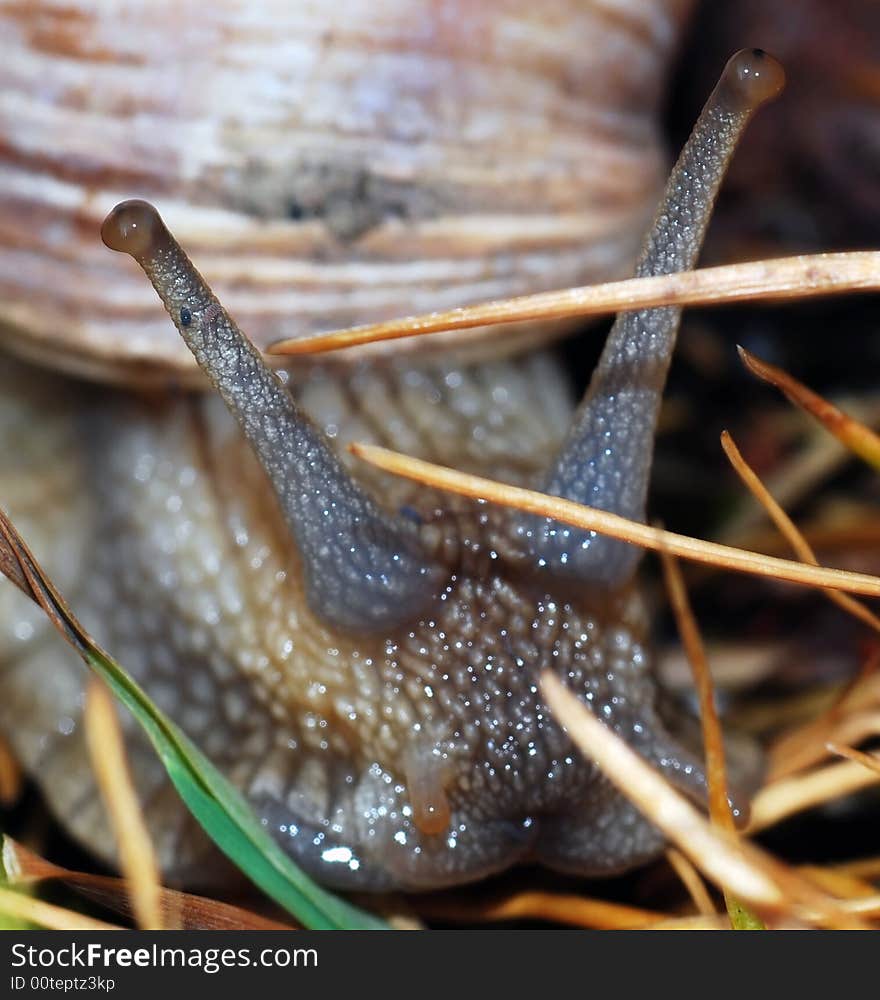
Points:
x=364, y=669
x=362, y=157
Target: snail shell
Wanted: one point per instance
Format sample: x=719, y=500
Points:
x=326, y=164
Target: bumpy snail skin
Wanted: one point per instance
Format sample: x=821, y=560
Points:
x=606, y=459
x=406, y=755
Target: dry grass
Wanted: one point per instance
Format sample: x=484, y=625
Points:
x=784, y=278
x=692, y=881
x=556, y=908
x=713, y=740
x=591, y=519
x=781, y=894
x=775, y=891
x=790, y=532
x=10, y=775
x=704, y=850
x=852, y=433
x=25, y=869
x=788, y=796
x=852, y=716
x=137, y=858
x=869, y=761
x=56, y=918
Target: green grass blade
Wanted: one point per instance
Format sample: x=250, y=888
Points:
x=741, y=917
x=214, y=802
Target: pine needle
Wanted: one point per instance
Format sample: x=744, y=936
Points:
x=10, y=775
x=738, y=867
x=713, y=740
x=858, y=438
x=869, y=761
x=557, y=908
x=15, y=904
x=692, y=881
x=694, y=549
x=785, y=798
x=781, y=278
x=787, y=528
x=179, y=909
x=137, y=857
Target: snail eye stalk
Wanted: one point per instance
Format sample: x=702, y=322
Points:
x=364, y=570
x=605, y=461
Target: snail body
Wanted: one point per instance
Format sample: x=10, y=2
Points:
x=367, y=672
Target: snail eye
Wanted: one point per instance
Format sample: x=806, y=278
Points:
x=750, y=78
x=133, y=227
x=185, y=316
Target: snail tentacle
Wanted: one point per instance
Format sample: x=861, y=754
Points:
x=605, y=461
x=364, y=569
